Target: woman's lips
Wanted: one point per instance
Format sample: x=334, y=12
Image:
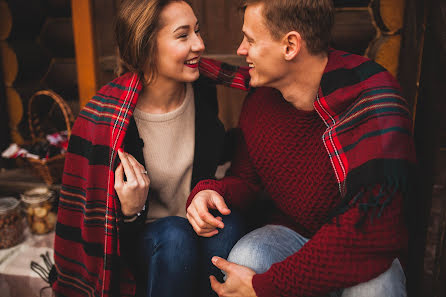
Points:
x=192, y=65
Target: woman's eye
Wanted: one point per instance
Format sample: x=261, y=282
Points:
x=182, y=36
x=197, y=31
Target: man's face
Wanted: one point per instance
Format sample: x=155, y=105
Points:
x=262, y=52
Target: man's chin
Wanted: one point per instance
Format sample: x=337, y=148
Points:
x=253, y=83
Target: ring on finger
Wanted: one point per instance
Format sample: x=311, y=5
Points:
x=144, y=172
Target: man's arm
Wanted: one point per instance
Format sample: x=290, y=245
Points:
x=229, y=75
x=242, y=184
x=339, y=255
x=239, y=190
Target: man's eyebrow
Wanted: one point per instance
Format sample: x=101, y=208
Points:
x=183, y=27
x=247, y=35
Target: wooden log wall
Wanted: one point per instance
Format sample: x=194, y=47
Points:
x=221, y=24
x=37, y=52
x=5, y=137
x=388, y=20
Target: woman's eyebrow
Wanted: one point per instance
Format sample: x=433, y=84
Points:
x=183, y=27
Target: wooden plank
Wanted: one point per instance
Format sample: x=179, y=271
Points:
x=5, y=135
x=85, y=49
x=104, y=12
x=352, y=30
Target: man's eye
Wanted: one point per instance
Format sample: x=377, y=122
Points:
x=182, y=36
x=197, y=31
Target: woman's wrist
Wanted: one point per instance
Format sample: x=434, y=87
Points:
x=134, y=216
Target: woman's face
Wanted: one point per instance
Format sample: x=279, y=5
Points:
x=179, y=44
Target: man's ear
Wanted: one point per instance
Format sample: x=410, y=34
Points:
x=292, y=43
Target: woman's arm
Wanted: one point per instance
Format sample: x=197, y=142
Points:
x=225, y=74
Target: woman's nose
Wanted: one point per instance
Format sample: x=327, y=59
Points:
x=198, y=45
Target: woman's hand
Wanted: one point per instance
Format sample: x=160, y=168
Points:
x=133, y=192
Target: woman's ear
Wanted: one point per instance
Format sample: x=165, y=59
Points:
x=292, y=43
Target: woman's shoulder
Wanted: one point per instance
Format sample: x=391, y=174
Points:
x=125, y=82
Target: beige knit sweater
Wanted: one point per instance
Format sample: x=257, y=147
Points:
x=169, y=143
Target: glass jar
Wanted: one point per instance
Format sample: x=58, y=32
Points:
x=39, y=210
x=11, y=223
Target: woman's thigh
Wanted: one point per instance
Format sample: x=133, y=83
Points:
x=168, y=252
x=221, y=244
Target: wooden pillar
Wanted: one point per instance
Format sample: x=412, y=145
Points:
x=85, y=50
x=4, y=127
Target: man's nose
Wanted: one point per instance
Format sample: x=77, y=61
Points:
x=242, y=49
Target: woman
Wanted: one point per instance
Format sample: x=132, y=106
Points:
x=136, y=150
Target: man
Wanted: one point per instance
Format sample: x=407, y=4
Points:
x=330, y=142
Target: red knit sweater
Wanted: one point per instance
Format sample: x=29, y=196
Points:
x=283, y=153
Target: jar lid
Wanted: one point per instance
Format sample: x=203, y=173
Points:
x=37, y=195
x=7, y=204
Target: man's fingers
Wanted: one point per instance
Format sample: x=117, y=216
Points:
x=220, y=204
x=209, y=234
x=200, y=231
x=201, y=228
x=222, y=264
x=209, y=220
x=216, y=285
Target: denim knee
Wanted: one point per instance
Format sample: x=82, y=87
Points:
x=222, y=243
x=170, y=237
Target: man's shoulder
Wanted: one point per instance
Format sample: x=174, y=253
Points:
x=348, y=77
x=357, y=68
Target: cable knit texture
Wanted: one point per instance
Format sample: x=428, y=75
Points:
x=278, y=152
x=352, y=153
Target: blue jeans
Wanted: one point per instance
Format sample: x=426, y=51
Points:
x=175, y=261
x=270, y=244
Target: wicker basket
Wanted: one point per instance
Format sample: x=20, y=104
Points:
x=51, y=169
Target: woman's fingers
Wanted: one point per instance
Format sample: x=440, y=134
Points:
x=139, y=170
x=119, y=176
x=128, y=168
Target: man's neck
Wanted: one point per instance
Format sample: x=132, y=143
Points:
x=301, y=85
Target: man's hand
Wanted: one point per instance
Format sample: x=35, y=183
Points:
x=238, y=280
x=198, y=214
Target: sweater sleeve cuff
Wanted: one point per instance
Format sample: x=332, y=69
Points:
x=208, y=184
x=263, y=285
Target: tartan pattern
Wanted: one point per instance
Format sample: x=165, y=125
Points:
x=229, y=75
x=356, y=94
x=88, y=206
x=369, y=143
x=90, y=233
